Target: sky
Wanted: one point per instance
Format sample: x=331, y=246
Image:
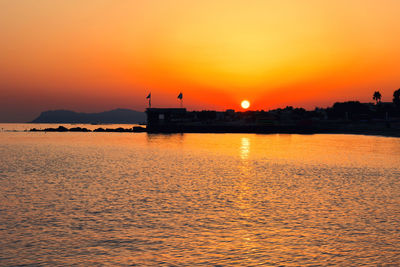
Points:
x=96, y=55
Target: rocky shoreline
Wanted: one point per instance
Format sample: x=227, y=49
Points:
x=135, y=129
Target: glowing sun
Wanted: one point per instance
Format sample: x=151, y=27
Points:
x=245, y=104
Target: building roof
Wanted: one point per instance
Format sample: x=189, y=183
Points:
x=166, y=110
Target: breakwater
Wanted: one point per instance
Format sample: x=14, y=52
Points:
x=83, y=129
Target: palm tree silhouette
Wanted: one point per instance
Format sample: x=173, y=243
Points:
x=377, y=97
x=396, y=98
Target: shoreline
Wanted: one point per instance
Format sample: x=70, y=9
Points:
x=212, y=129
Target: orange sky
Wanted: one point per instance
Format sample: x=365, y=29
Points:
x=97, y=55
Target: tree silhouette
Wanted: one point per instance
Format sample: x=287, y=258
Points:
x=377, y=97
x=396, y=98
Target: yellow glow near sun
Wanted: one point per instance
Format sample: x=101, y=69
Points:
x=245, y=104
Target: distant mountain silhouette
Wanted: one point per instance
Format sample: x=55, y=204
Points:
x=112, y=116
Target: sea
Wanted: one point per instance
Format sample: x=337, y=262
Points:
x=138, y=199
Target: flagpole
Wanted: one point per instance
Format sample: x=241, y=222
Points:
x=180, y=97
x=149, y=98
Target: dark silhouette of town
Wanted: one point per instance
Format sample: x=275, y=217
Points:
x=382, y=118
x=353, y=117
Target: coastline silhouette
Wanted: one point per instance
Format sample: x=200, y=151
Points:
x=381, y=118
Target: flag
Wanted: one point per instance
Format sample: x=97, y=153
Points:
x=180, y=96
x=149, y=96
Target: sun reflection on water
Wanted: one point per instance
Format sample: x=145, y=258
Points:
x=245, y=148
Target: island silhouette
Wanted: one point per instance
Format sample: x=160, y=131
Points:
x=116, y=116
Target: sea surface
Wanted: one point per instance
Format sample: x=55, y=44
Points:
x=197, y=199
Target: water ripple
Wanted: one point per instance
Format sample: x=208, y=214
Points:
x=193, y=199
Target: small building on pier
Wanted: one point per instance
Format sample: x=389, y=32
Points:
x=165, y=116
